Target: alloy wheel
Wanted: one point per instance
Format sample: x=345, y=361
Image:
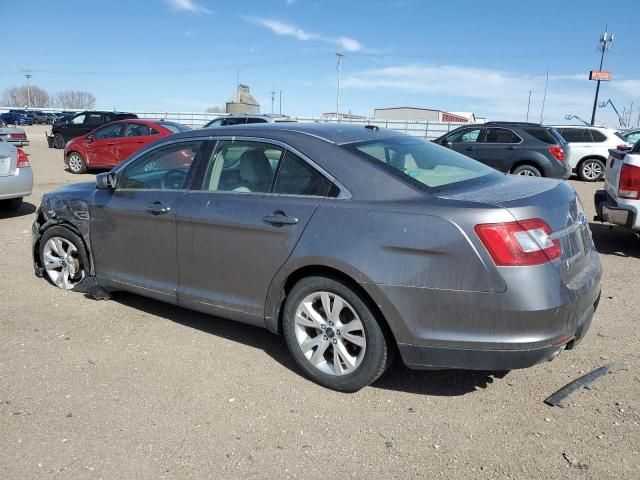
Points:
x=592, y=170
x=75, y=163
x=61, y=261
x=330, y=333
x=527, y=173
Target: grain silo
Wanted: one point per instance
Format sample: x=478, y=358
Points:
x=243, y=102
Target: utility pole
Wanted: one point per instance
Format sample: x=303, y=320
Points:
x=605, y=45
x=273, y=98
x=544, y=98
x=280, y=103
x=340, y=56
x=28, y=75
x=528, y=105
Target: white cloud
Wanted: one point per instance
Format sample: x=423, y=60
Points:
x=495, y=93
x=290, y=30
x=190, y=6
x=630, y=87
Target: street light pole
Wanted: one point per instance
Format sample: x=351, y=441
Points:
x=27, y=75
x=340, y=56
x=605, y=45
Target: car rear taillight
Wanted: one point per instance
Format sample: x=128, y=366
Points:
x=629, y=185
x=23, y=160
x=18, y=136
x=558, y=152
x=522, y=243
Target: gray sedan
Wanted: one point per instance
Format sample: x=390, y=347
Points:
x=353, y=242
x=16, y=179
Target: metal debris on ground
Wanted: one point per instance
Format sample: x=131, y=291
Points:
x=555, y=399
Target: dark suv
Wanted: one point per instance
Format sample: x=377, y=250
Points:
x=81, y=123
x=518, y=148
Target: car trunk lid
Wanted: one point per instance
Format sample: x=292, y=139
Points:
x=553, y=201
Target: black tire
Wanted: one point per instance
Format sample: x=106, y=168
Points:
x=591, y=170
x=527, y=170
x=377, y=354
x=76, y=163
x=71, y=237
x=11, y=205
x=58, y=141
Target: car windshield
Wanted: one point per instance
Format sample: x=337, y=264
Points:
x=423, y=162
x=175, y=127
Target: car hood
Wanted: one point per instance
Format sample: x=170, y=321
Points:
x=77, y=188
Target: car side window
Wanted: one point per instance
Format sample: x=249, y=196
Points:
x=164, y=168
x=215, y=123
x=467, y=135
x=77, y=120
x=297, y=177
x=256, y=120
x=633, y=137
x=242, y=167
x=110, y=131
x=136, y=130
x=501, y=135
x=93, y=119
x=576, y=135
x=154, y=131
x=234, y=121
x=598, y=136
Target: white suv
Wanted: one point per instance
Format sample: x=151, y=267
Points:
x=589, y=149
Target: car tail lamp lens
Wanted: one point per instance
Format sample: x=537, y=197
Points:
x=18, y=136
x=522, y=243
x=23, y=160
x=629, y=185
x=558, y=152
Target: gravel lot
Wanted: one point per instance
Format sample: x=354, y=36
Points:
x=133, y=388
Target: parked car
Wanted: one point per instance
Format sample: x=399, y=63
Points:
x=110, y=144
x=50, y=117
x=589, y=149
x=38, y=117
x=630, y=136
x=16, y=179
x=81, y=123
x=528, y=149
x=13, y=135
x=230, y=120
x=352, y=241
x=619, y=202
x=13, y=118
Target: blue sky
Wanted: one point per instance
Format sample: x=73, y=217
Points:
x=183, y=55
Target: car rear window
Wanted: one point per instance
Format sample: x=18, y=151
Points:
x=175, y=127
x=418, y=161
x=543, y=134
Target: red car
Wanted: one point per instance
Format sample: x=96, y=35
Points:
x=110, y=144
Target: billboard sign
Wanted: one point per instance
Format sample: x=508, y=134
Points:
x=600, y=75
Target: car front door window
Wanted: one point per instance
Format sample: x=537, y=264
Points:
x=465, y=136
x=78, y=120
x=110, y=131
x=136, y=130
x=165, y=168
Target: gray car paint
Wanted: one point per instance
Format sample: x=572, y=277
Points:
x=414, y=253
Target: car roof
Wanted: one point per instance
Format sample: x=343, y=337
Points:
x=146, y=121
x=337, y=133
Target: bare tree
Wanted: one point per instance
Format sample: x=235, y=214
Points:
x=24, y=96
x=215, y=109
x=75, y=99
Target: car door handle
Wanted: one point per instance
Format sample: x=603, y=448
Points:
x=511, y=148
x=471, y=148
x=158, y=209
x=279, y=218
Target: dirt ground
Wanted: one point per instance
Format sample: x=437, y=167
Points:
x=133, y=388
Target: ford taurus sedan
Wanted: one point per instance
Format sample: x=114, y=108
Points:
x=353, y=242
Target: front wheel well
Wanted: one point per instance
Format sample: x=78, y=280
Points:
x=531, y=163
x=329, y=272
x=591, y=157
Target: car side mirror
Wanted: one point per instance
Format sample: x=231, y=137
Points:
x=106, y=181
x=447, y=143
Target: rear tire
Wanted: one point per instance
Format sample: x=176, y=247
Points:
x=76, y=163
x=58, y=141
x=343, y=350
x=11, y=205
x=527, y=170
x=591, y=170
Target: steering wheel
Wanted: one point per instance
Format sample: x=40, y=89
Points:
x=173, y=179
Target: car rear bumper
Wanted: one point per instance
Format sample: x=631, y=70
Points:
x=608, y=210
x=16, y=186
x=534, y=319
x=17, y=143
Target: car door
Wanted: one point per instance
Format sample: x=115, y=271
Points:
x=133, y=227
x=92, y=120
x=464, y=141
x=498, y=148
x=74, y=127
x=136, y=135
x=101, y=145
x=240, y=224
x=580, y=141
